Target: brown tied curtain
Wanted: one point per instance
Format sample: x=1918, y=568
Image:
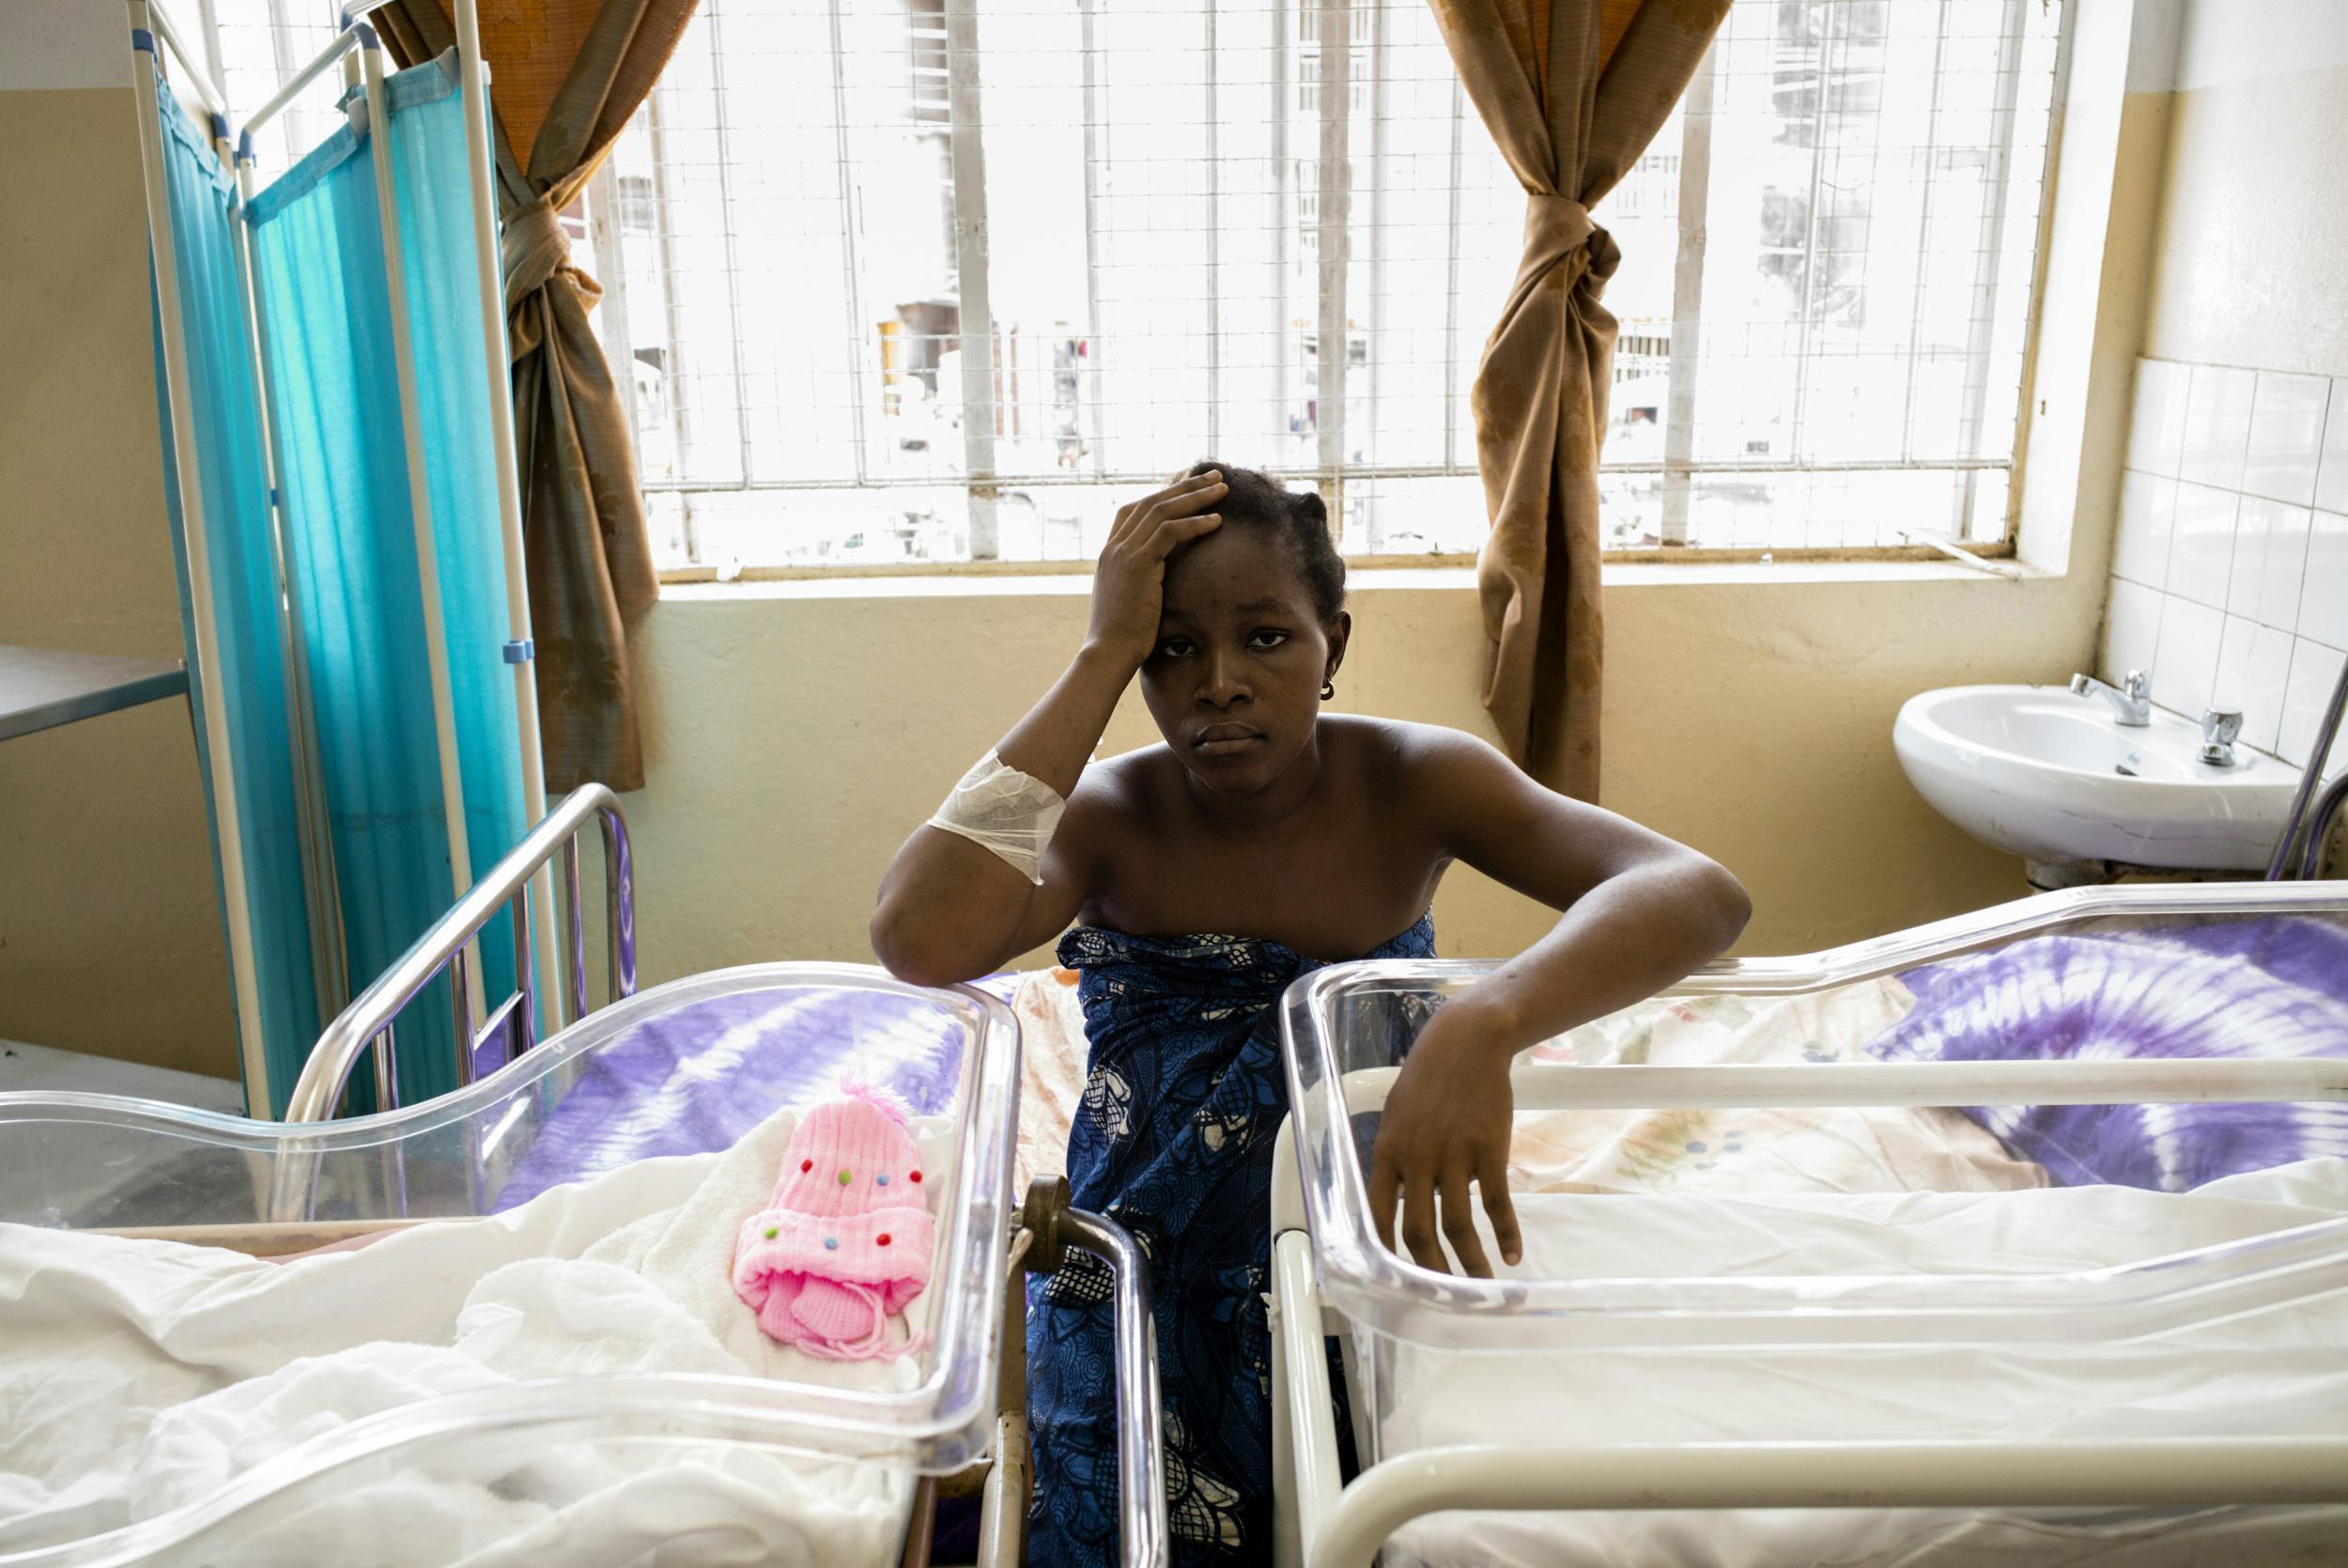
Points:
x=565, y=77
x=1572, y=91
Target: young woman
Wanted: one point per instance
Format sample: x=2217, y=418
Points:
x=1298, y=840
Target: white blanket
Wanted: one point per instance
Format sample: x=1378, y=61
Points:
x=2278, y=1373
x=138, y=1376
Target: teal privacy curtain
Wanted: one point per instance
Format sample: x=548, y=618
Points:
x=335, y=412
x=250, y=681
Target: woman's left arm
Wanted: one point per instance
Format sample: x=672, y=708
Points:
x=1639, y=912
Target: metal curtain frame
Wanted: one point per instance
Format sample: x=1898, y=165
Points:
x=329, y=953
x=489, y=292
x=489, y=285
x=420, y=500
x=152, y=31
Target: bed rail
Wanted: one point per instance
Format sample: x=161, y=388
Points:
x=2145, y=1473
x=1827, y=968
x=1997, y=926
x=1049, y=1227
x=510, y=1028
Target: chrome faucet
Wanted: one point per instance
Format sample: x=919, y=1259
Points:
x=2131, y=700
x=2220, y=729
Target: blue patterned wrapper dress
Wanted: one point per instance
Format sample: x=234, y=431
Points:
x=1183, y=1095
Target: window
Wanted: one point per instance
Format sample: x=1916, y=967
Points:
x=256, y=45
x=1824, y=302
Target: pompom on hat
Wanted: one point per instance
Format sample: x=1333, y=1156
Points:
x=845, y=1242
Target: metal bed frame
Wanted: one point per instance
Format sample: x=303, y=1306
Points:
x=1326, y=1523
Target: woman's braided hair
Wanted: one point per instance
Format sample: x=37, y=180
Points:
x=1256, y=499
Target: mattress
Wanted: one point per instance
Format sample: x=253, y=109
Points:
x=2275, y=1373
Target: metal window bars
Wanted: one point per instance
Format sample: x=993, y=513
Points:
x=1153, y=161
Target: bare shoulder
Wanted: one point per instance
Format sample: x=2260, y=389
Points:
x=1122, y=793
x=1396, y=754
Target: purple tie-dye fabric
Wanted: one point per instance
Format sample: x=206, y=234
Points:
x=695, y=1078
x=2264, y=986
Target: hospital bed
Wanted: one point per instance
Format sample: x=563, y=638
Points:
x=683, y=1068
x=1780, y=1303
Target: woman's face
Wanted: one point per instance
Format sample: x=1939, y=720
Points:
x=1235, y=681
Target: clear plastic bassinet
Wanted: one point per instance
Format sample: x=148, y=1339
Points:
x=682, y=1068
x=2041, y=1206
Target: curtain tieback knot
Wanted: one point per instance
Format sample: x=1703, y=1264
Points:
x=1560, y=232
x=534, y=250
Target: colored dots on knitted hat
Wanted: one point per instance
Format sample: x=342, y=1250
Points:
x=846, y=1176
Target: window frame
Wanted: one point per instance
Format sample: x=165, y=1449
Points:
x=1327, y=29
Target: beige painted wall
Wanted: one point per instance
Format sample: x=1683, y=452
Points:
x=2252, y=235
x=798, y=733
x=110, y=937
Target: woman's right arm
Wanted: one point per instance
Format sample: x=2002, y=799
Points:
x=950, y=910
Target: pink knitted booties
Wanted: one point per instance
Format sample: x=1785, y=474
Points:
x=845, y=1242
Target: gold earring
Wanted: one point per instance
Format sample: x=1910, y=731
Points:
x=1328, y=690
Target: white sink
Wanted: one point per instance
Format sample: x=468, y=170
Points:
x=2039, y=773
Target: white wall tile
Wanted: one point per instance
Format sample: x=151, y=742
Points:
x=2286, y=437
x=2313, y=669
x=2185, y=663
x=2285, y=562
x=2324, y=599
x=2331, y=480
x=2253, y=526
x=2217, y=426
x=2200, y=558
x=2227, y=587
x=2253, y=673
x=2157, y=422
x=2131, y=629
x=2147, y=521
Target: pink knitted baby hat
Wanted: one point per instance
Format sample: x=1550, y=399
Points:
x=845, y=1242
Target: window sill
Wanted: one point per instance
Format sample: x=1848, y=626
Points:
x=1367, y=580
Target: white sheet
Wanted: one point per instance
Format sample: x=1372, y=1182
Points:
x=1863, y=1148
x=2278, y=1373
x=1843, y=1149
x=137, y=1376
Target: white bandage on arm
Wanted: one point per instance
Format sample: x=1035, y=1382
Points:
x=1010, y=814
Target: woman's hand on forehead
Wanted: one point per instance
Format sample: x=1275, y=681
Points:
x=1129, y=584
